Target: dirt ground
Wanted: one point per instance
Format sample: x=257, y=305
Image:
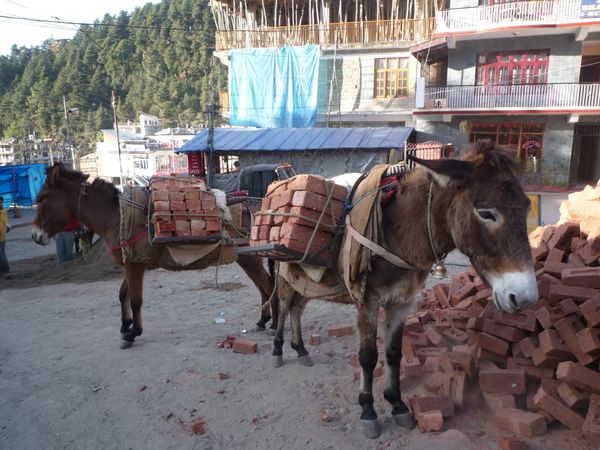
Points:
x=64, y=382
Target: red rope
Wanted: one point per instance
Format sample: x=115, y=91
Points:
x=131, y=241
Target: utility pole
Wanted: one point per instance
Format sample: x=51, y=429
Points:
x=114, y=106
x=68, y=139
x=210, y=172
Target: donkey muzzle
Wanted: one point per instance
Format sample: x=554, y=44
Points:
x=39, y=235
x=514, y=291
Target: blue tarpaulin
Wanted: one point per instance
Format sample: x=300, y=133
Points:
x=274, y=87
x=20, y=184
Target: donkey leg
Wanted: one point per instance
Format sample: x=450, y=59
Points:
x=297, y=308
x=286, y=294
x=254, y=268
x=394, y=327
x=126, y=318
x=367, y=356
x=134, y=274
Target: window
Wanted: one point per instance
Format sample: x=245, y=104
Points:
x=140, y=163
x=391, y=77
x=525, y=139
x=507, y=68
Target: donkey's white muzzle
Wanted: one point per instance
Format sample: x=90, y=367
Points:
x=514, y=291
x=39, y=235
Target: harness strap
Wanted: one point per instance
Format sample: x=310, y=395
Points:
x=377, y=249
x=138, y=237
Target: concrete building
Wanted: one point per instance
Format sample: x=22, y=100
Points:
x=525, y=74
x=366, y=74
x=33, y=151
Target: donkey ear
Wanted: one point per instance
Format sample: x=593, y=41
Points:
x=54, y=174
x=444, y=171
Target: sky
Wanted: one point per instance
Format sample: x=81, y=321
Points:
x=28, y=34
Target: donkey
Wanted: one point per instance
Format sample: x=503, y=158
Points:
x=67, y=195
x=475, y=204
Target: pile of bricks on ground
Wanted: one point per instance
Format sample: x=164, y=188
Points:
x=532, y=368
x=183, y=207
x=291, y=211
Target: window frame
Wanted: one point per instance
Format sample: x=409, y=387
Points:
x=507, y=63
x=523, y=131
x=401, y=75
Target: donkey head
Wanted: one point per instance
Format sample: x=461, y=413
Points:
x=56, y=202
x=486, y=214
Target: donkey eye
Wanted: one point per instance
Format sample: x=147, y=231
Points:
x=487, y=214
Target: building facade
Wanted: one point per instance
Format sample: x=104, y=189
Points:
x=525, y=74
x=366, y=74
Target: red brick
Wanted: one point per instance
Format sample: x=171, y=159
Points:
x=483, y=297
x=458, y=388
x=314, y=339
x=590, y=310
x=578, y=294
x=440, y=291
x=411, y=367
x=340, y=330
x=162, y=205
x=458, y=361
x=579, y=376
x=545, y=283
x=160, y=195
x=527, y=345
x=555, y=268
x=163, y=227
x=434, y=337
x=193, y=204
x=180, y=215
x=588, y=255
x=177, y=205
x=266, y=203
x=544, y=317
x=213, y=225
x=485, y=355
x=164, y=234
x=575, y=260
x=506, y=381
x=540, y=253
x=438, y=383
x=523, y=320
x=572, y=397
x=464, y=304
x=562, y=235
x=419, y=339
x=564, y=308
x=555, y=255
x=475, y=323
x=505, y=332
x=176, y=195
x=424, y=352
x=431, y=364
x=245, y=346
x=532, y=372
x=552, y=345
x=591, y=425
x=511, y=443
x=540, y=359
x=582, y=276
x=567, y=328
x=316, y=202
x=493, y=344
x=455, y=336
x=520, y=422
x=544, y=400
x=465, y=291
x=432, y=403
x=430, y=421
x=497, y=401
x=589, y=341
x=455, y=284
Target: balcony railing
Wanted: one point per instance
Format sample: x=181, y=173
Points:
x=509, y=15
x=539, y=97
x=367, y=32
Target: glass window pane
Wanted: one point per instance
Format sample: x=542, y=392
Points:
x=380, y=63
x=392, y=63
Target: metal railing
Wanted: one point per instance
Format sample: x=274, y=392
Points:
x=562, y=96
x=365, y=32
x=427, y=150
x=508, y=15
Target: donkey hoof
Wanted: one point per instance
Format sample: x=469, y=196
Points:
x=125, y=344
x=306, y=360
x=277, y=361
x=371, y=428
x=405, y=420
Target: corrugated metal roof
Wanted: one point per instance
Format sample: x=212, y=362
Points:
x=299, y=139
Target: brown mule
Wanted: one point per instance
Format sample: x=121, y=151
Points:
x=66, y=195
x=475, y=204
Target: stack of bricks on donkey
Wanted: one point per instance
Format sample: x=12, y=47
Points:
x=183, y=207
x=291, y=211
x=533, y=368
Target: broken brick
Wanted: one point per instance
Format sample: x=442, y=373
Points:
x=431, y=403
x=430, y=421
x=520, y=422
x=579, y=376
x=340, y=330
x=557, y=409
x=245, y=346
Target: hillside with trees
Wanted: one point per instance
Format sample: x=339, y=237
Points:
x=158, y=60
